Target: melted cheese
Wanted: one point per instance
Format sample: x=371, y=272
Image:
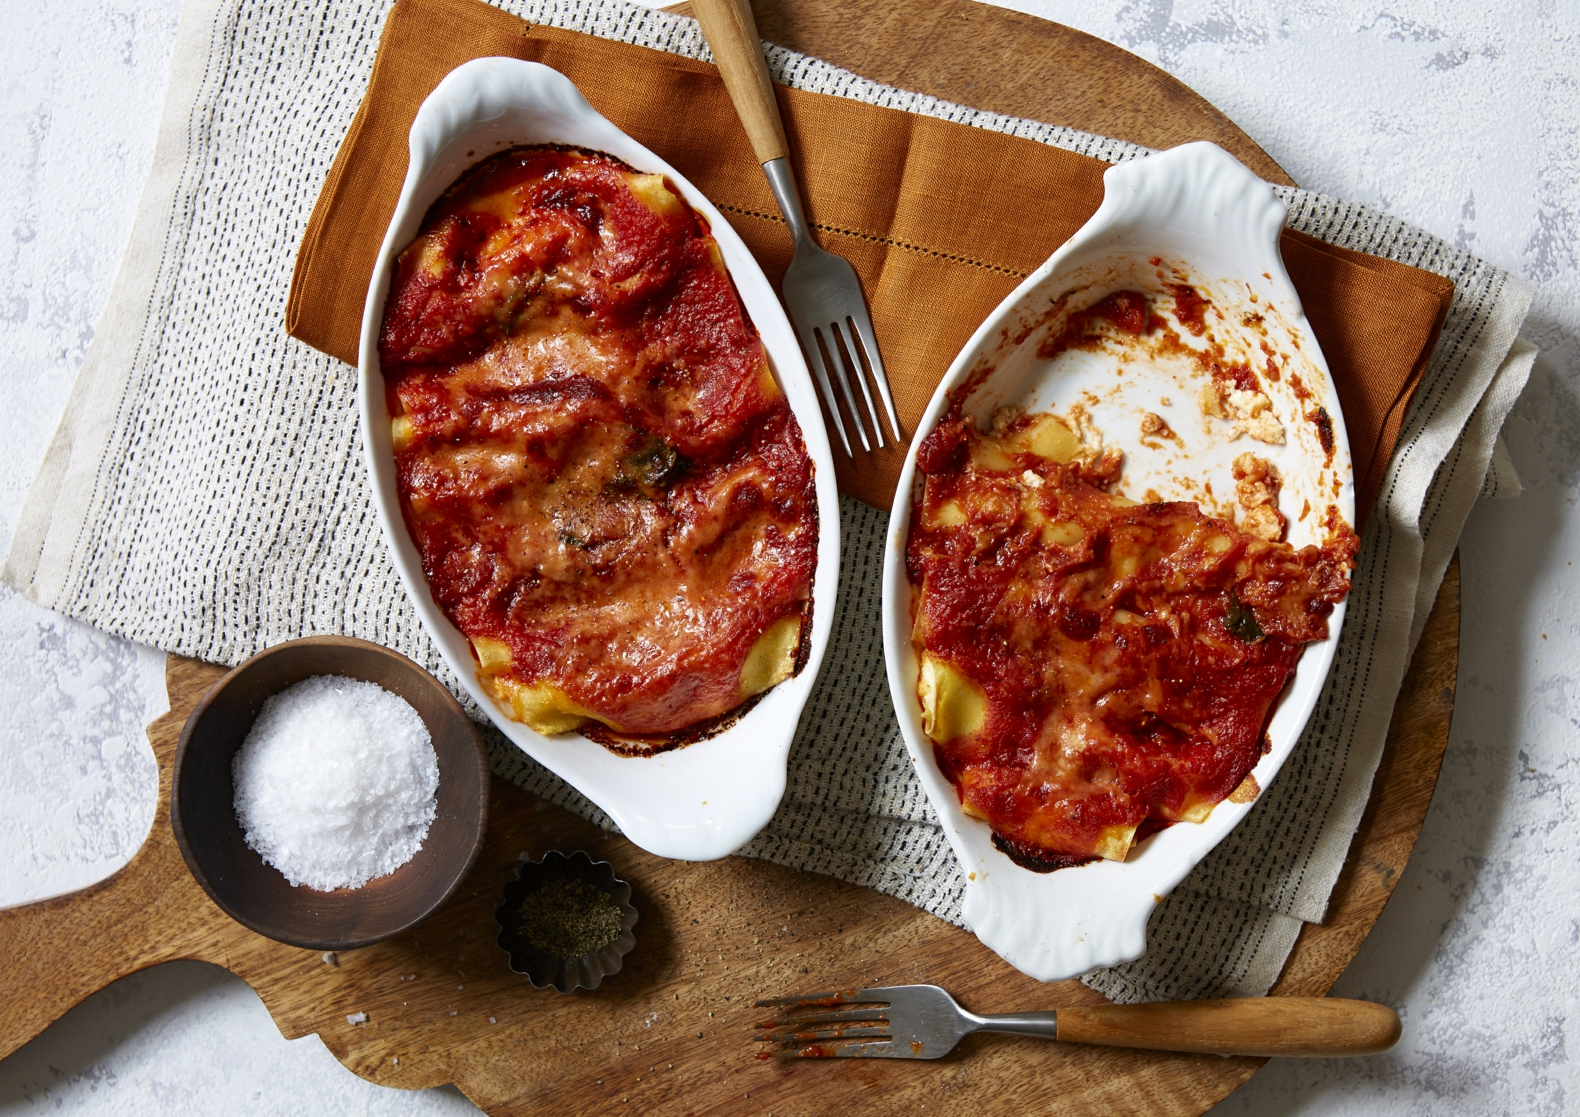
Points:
x=609, y=493
x=1088, y=664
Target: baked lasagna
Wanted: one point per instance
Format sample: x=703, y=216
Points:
x=1093, y=669
x=608, y=490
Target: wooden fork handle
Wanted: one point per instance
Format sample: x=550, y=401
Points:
x=731, y=31
x=1281, y=1026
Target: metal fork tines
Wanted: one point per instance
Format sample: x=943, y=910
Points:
x=823, y=295
x=897, y=1022
x=924, y=1022
x=824, y=1025
x=821, y=290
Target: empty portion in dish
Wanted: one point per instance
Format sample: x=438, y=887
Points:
x=1094, y=669
x=1188, y=374
x=610, y=495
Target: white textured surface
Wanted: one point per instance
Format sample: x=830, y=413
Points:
x=176, y=491
x=1471, y=122
x=187, y=1038
x=77, y=777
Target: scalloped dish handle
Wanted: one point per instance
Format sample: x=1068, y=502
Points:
x=1165, y=191
x=1193, y=211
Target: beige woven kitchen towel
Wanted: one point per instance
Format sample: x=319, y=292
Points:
x=205, y=493
x=935, y=249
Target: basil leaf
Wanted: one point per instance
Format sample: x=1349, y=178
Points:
x=655, y=464
x=1239, y=621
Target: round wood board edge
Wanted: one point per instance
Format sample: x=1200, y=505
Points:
x=152, y=911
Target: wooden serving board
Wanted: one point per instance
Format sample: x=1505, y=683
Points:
x=670, y=1033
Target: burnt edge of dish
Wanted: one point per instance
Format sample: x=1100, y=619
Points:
x=541, y=967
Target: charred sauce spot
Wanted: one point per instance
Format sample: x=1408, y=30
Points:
x=567, y=198
x=746, y=499
x=1126, y=310
x=1190, y=308
x=630, y=744
x=1031, y=857
x=1324, y=424
x=1078, y=623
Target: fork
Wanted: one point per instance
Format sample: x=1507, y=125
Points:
x=820, y=289
x=924, y=1022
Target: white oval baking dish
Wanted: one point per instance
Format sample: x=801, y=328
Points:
x=705, y=800
x=1198, y=214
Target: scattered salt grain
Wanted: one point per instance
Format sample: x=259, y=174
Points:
x=336, y=782
x=356, y=1018
x=331, y=958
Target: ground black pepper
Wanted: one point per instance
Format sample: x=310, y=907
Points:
x=569, y=918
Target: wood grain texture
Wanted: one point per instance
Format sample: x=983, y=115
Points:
x=732, y=35
x=1006, y=62
x=1308, y=1027
x=669, y=1033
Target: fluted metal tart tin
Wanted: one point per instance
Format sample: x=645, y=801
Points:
x=542, y=967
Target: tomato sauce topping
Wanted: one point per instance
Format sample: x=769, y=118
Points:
x=1124, y=658
x=593, y=458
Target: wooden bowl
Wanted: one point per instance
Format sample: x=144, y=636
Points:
x=254, y=893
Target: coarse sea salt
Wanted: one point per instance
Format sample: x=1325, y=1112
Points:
x=336, y=782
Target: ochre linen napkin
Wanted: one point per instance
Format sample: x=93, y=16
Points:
x=205, y=492
x=941, y=220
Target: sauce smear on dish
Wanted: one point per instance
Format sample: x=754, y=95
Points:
x=610, y=495
x=1093, y=669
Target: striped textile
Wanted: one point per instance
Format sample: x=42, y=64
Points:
x=204, y=493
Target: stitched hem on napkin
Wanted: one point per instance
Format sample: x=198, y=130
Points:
x=204, y=493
